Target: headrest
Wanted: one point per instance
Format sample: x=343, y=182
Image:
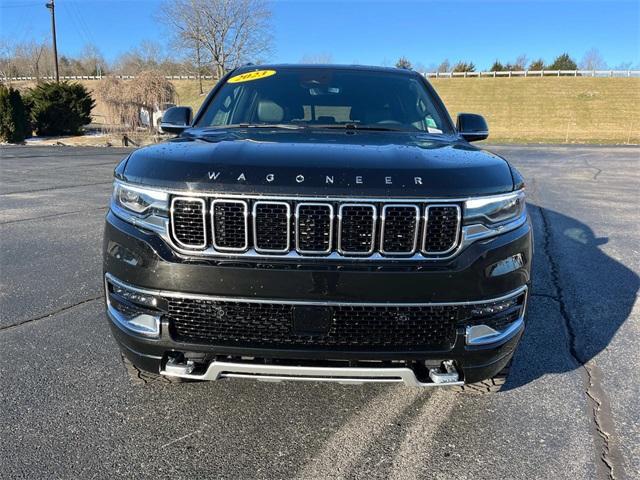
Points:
x=269, y=112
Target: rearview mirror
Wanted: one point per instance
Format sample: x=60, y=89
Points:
x=176, y=119
x=472, y=127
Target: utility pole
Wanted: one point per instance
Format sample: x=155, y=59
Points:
x=52, y=7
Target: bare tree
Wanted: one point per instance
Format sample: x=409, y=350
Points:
x=625, y=66
x=201, y=57
x=149, y=55
x=231, y=31
x=126, y=99
x=92, y=60
x=537, y=65
x=592, y=60
x=420, y=67
x=444, y=66
x=404, y=63
x=520, y=62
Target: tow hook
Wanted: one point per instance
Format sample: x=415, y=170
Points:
x=446, y=373
x=175, y=367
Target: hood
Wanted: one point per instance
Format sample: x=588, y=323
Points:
x=320, y=163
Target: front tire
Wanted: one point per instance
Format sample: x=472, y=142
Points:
x=490, y=385
x=142, y=377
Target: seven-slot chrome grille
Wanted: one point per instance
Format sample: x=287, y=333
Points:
x=314, y=228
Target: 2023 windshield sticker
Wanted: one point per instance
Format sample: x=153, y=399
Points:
x=249, y=76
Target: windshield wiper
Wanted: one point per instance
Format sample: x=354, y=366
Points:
x=287, y=126
x=355, y=126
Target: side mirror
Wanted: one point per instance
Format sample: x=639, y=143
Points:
x=176, y=119
x=472, y=127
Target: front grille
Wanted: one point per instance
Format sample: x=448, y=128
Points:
x=314, y=227
x=188, y=215
x=442, y=223
x=307, y=228
x=271, y=226
x=352, y=327
x=399, y=229
x=230, y=225
x=357, y=229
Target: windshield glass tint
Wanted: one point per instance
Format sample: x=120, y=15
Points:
x=325, y=98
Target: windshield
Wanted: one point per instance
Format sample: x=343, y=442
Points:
x=325, y=98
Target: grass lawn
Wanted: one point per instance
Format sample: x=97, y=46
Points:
x=530, y=110
x=189, y=92
x=519, y=110
x=549, y=109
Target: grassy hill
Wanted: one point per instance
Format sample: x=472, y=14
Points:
x=549, y=109
x=521, y=110
x=532, y=110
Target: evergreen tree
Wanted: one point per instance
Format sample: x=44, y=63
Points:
x=14, y=125
x=60, y=108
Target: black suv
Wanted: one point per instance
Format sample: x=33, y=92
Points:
x=324, y=223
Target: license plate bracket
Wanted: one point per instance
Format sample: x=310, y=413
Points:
x=311, y=320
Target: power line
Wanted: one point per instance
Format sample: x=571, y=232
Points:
x=82, y=22
x=77, y=28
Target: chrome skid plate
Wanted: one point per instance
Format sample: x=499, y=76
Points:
x=276, y=373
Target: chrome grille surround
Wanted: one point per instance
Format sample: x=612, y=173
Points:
x=426, y=224
x=374, y=215
x=466, y=234
x=299, y=241
x=245, y=208
x=203, y=207
x=256, y=244
x=384, y=228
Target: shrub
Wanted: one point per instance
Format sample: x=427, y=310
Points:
x=14, y=125
x=497, y=67
x=464, y=67
x=563, y=62
x=60, y=108
x=537, y=65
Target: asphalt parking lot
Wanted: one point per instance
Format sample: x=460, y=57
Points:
x=570, y=409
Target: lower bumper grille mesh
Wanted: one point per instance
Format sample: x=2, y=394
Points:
x=272, y=325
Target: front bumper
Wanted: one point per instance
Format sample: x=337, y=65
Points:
x=141, y=260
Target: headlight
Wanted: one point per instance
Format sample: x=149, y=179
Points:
x=142, y=207
x=139, y=200
x=494, y=211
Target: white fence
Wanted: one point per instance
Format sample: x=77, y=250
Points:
x=537, y=73
x=506, y=74
x=92, y=77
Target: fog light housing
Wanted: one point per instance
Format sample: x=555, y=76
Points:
x=494, y=321
x=135, y=297
x=493, y=308
x=132, y=309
